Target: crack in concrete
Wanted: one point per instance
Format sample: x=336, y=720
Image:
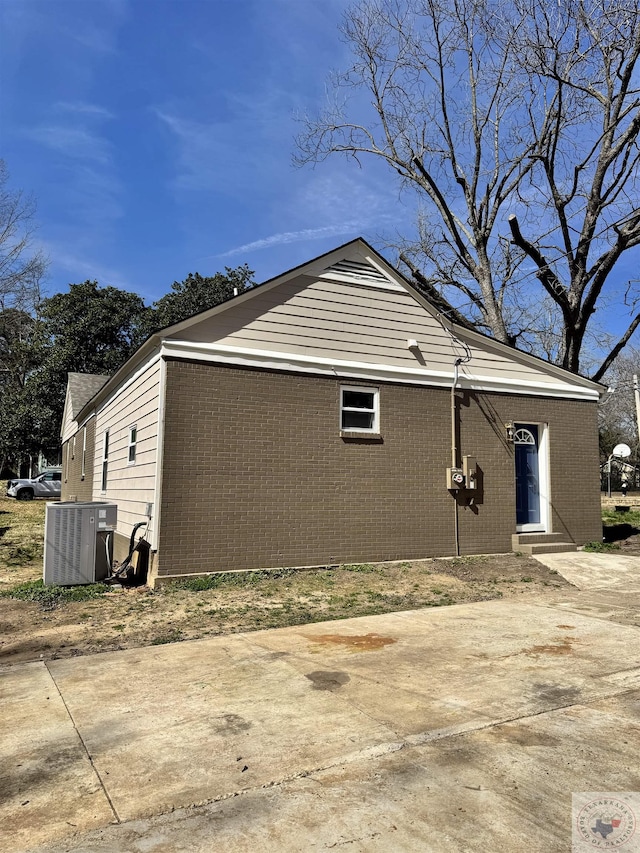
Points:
x=384, y=749
x=84, y=746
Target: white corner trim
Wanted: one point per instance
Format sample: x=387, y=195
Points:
x=296, y=363
x=157, y=497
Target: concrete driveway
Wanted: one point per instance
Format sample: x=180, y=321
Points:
x=464, y=728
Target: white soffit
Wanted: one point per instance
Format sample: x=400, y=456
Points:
x=298, y=363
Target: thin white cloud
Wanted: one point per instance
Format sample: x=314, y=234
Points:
x=293, y=237
x=84, y=109
x=98, y=33
x=76, y=142
x=235, y=156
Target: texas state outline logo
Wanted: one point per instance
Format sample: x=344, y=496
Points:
x=605, y=821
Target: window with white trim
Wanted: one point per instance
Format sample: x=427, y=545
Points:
x=359, y=409
x=105, y=460
x=84, y=452
x=133, y=440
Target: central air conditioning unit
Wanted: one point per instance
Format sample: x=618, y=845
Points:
x=78, y=542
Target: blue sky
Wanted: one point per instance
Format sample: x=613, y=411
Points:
x=157, y=137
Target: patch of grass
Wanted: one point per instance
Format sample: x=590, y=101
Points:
x=601, y=547
x=611, y=517
x=22, y=555
x=225, y=579
x=172, y=636
x=52, y=596
x=358, y=567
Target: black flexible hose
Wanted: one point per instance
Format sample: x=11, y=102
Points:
x=132, y=546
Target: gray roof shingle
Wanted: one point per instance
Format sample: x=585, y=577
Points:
x=82, y=387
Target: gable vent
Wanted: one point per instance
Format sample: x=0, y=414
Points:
x=357, y=271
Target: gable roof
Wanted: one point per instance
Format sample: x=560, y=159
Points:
x=349, y=312
x=81, y=388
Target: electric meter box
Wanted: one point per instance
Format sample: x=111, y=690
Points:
x=78, y=542
x=470, y=471
x=455, y=478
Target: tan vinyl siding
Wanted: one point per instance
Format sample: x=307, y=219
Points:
x=74, y=485
x=130, y=486
x=356, y=322
x=69, y=425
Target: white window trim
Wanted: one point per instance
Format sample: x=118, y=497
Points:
x=104, y=474
x=133, y=444
x=84, y=453
x=374, y=429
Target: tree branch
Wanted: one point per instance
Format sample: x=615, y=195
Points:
x=606, y=364
x=430, y=291
x=546, y=276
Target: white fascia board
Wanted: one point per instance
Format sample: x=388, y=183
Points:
x=86, y=420
x=485, y=343
x=311, y=269
x=295, y=363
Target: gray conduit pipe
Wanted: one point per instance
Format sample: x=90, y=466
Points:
x=454, y=452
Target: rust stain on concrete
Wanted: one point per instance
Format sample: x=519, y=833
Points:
x=355, y=643
x=564, y=647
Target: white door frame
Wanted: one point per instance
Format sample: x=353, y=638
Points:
x=544, y=479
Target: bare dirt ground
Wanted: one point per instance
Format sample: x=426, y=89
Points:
x=54, y=627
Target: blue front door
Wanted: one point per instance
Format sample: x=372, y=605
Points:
x=527, y=474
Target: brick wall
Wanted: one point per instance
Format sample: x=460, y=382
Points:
x=256, y=473
x=573, y=464
x=72, y=482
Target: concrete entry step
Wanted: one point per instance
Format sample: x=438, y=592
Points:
x=528, y=538
x=541, y=543
x=551, y=548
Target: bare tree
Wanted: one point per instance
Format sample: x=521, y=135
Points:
x=21, y=270
x=515, y=123
x=617, y=413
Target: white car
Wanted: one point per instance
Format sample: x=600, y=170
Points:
x=45, y=485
